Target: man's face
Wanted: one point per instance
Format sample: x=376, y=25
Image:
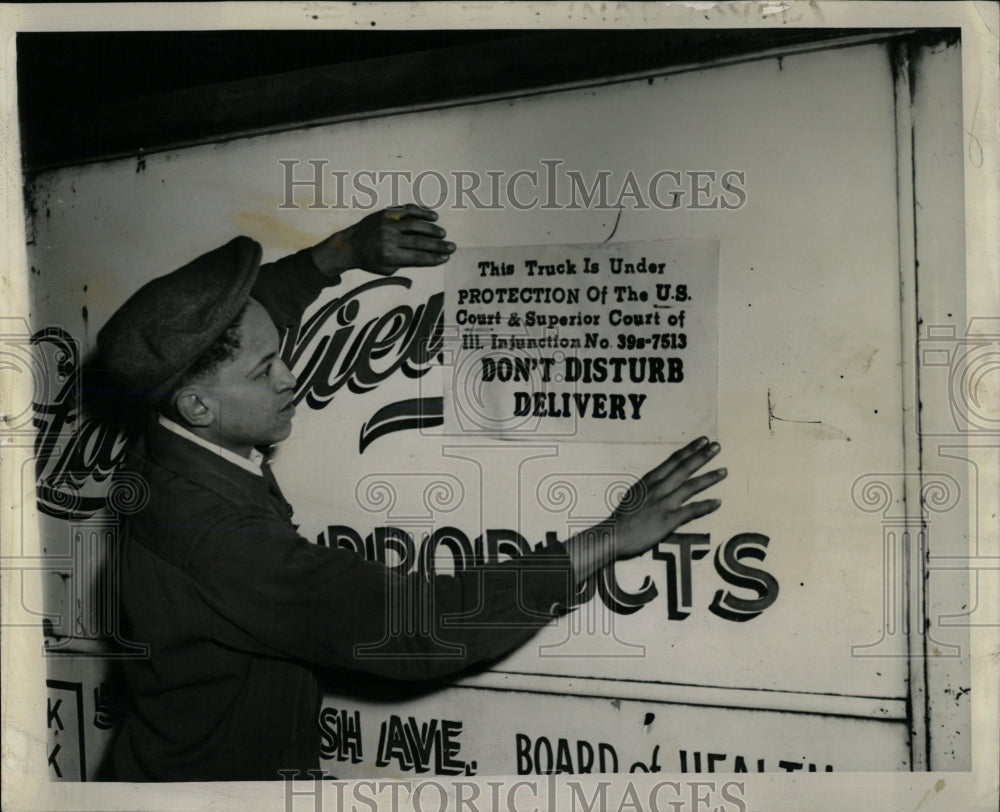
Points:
x=251, y=395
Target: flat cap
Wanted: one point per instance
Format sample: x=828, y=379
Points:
x=161, y=330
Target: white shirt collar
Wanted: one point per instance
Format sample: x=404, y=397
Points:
x=253, y=464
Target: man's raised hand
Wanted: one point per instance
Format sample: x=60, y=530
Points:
x=384, y=241
x=652, y=509
x=657, y=504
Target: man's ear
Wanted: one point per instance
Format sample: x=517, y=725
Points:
x=193, y=407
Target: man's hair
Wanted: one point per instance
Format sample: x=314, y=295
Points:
x=222, y=350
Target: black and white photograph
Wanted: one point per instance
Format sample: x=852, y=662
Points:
x=585, y=406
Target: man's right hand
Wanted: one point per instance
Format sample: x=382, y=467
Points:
x=652, y=509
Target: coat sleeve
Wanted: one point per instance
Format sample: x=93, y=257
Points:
x=287, y=287
x=275, y=593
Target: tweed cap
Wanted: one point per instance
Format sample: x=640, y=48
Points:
x=161, y=330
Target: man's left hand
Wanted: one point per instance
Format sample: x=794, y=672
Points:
x=383, y=242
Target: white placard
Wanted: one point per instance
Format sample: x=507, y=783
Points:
x=594, y=343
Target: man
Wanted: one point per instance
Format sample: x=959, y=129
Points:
x=237, y=609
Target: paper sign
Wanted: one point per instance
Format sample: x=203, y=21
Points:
x=595, y=343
